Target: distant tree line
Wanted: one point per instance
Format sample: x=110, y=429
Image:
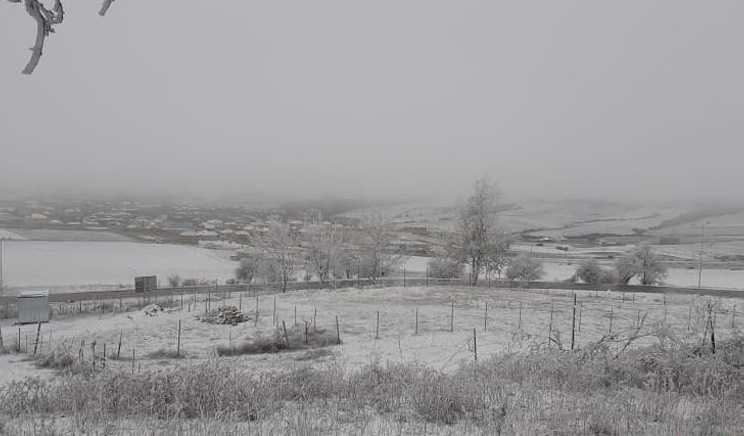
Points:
x=477, y=247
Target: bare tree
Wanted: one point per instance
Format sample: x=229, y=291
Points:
x=376, y=254
x=589, y=271
x=268, y=270
x=643, y=263
x=280, y=246
x=46, y=19
x=246, y=270
x=174, y=280
x=323, y=250
x=525, y=268
x=479, y=243
x=444, y=268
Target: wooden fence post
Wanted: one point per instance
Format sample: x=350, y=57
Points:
x=485, y=319
x=118, y=350
x=103, y=357
x=712, y=331
x=315, y=314
x=295, y=315
x=733, y=322
x=416, y=333
x=38, y=333
x=475, y=344
x=612, y=311
x=520, y=316
x=452, y=316
x=273, y=321
x=178, y=341
x=338, y=331
x=2, y=346
x=307, y=327
x=550, y=326
x=377, y=326
x=573, y=323
x=240, y=302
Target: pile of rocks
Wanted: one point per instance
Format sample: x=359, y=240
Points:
x=152, y=309
x=228, y=315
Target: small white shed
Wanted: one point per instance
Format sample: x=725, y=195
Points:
x=34, y=307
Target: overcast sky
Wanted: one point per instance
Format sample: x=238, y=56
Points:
x=628, y=99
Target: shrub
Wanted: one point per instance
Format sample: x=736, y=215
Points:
x=525, y=268
x=589, y=271
x=276, y=342
x=174, y=280
x=246, y=270
x=444, y=268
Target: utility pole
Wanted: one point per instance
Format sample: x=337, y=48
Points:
x=700, y=268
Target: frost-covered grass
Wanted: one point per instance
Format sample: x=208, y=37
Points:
x=663, y=389
x=505, y=328
x=650, y=374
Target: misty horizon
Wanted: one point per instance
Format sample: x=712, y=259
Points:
x=630, y=102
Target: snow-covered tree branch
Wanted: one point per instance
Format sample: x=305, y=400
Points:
x=46, y=19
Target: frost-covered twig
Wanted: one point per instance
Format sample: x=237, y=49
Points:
x=45, y=21
x=105, y=7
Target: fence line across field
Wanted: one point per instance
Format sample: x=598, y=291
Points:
x=8, y=306
x=99, y=356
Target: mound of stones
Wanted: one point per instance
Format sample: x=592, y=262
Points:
x=228, y=315
x=152, y=309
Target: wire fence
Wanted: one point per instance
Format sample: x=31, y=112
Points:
x=124, y=300
x=436, y=334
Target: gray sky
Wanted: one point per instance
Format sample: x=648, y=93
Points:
x=633, y=99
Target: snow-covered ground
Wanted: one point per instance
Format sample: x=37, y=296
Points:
x=16, y=367
x=515, y=320
x=7, y=234
x=65, y=264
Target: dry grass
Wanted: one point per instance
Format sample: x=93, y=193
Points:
x=296, y=338
x=657, y=390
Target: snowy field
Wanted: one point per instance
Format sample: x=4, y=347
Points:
x=515, y=320
x=70, y=264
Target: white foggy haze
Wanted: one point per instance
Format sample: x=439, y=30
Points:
x=594, y=99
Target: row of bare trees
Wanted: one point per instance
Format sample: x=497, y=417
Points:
x=324, y=250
